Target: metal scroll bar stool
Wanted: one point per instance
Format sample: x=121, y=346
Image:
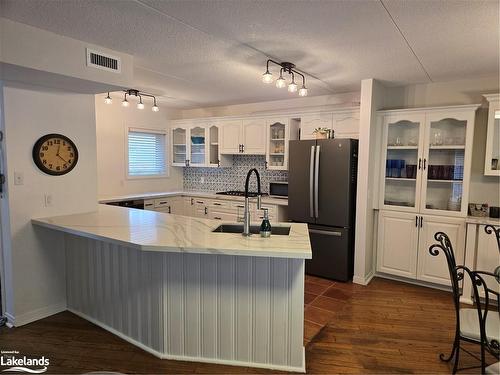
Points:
x=467, y=320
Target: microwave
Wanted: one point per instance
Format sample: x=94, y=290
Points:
x=278, y=189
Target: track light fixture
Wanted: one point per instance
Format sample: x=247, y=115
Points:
x=285, y=67
x=108, y=99
x=137, y=94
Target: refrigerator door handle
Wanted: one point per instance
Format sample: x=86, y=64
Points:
x=325, y=232
x=311, y=182
x=316, y=183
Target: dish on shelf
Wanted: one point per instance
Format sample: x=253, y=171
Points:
x=198, y=140
x=397, y=203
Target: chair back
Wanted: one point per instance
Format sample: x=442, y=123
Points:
x=491, y=229
x=488, y=297
x=444, y=245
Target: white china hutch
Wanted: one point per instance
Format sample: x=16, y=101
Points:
x=211, y=142
x=424, y=188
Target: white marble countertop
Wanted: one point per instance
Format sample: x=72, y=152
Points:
x=482, y=220
x=155, y=231
x=209, y=195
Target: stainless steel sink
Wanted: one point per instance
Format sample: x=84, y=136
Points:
x=254, y=229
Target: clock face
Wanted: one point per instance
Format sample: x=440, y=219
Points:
x=55, y=154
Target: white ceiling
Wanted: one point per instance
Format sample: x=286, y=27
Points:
x=199, y=53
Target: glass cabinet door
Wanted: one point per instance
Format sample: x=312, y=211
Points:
x=444, y=164
x=277, y=143
x=213, y=151
x=179, y=146
x=197, y=146
x=401, y=184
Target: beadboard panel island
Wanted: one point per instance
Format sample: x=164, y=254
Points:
x=169, y=285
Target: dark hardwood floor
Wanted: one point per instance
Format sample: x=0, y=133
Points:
x=386, y=327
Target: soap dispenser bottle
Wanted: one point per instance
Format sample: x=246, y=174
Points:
x=265, y=227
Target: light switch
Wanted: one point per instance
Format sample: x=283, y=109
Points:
x=18, y=178
x=48, y=200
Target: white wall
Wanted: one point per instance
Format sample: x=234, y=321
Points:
x=341, y=100
x=112, y=122
x=36, y=255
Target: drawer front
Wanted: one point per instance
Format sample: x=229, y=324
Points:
x=149, y=204
x=223, y=216
x=162, y=202
x=220, y=204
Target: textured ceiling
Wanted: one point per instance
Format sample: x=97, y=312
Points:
x=210, y=52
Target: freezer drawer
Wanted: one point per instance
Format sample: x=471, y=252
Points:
x=332, y=253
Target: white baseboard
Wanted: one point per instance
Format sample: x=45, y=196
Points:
x=192, y=359
x=414, y=282
x=31, y=316
x=363, y=280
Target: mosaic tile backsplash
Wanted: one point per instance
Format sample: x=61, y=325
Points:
x=232, y=178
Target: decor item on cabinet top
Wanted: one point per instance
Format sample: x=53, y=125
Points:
x=285, y=67
x=138, y=94
x=478, y=209
x=323, y=133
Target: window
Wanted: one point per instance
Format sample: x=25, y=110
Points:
x=146, y=153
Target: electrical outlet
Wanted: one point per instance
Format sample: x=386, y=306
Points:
x=202, y=180
x=48, y=200
x=18, y=178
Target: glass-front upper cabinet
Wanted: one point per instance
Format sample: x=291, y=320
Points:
x=492, y=155
x=426, y=160
x=402, y=159
x=277, y=137
x=447, y=153
x=179, y=147
x=197, y=146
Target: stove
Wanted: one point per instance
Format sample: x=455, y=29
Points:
x=238, y=193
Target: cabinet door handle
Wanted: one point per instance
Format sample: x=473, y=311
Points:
x=206, y=211
x=218, y=163
x=242, y=148
x=416, y=221
x=419, y=163
x=425, y=161
x=169, y=210
x=217, y=204
x=421, y=221
x=200, y=202
x=192, y=201
x=217, y=218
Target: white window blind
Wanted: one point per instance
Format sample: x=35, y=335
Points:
x=146, y=153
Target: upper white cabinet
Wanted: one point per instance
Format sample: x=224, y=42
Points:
x=253, y=136
x=198, y=150
x=230, y=139
x=211, y=142
x=426, y=160
x=279, y=132
x=492, y=155
x=180, y=146
x=246, y=136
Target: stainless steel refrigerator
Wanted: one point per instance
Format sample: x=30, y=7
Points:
x=322, y=192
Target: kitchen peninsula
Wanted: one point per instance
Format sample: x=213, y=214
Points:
x=170, y=285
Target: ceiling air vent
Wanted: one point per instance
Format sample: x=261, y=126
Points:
x=103, y=61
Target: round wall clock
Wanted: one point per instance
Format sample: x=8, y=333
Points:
x=55, y=154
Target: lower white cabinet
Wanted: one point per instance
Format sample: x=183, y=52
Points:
x=431, y=268
x=397, y=244
x=404, y=240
